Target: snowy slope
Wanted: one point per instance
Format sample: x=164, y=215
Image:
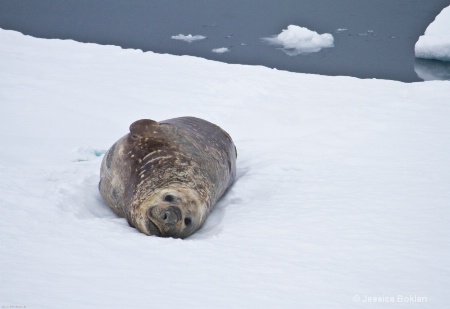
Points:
x=435, y=43
x=343, y=190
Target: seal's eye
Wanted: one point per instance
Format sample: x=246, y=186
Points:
x=169, y=198
x=187, y=221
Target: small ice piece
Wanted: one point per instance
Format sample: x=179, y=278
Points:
x=297, y=40
x=188, y=38
x=82, y=154
x=220, y=50
x=342, y=29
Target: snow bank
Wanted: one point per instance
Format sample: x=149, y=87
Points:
x=435, y=43
x=297, y=40
x=188, y=38
x=342, y=189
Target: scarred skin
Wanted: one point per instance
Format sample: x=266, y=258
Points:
x=165, y=177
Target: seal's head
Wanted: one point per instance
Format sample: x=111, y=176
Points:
x=171, y=212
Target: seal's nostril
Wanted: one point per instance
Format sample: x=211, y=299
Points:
x=171, y=215
x=187, y=221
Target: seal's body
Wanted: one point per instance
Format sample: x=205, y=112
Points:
x=165, y=177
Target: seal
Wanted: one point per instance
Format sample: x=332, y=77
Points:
x=165, y=177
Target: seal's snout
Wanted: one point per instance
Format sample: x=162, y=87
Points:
x=171, y=215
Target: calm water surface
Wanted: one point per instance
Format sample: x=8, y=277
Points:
x=378, y=43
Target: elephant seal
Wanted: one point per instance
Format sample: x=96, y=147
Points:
x=165, y=177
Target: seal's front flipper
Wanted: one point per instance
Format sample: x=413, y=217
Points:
x=140, y=126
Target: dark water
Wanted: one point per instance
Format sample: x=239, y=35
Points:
x=378, y=43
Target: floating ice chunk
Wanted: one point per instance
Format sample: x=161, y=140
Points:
x=297, y=40
x=435, y=43
x=220, y=50
x=188, y=38
x=342, y=29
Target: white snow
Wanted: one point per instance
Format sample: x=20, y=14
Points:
x=297, y=40
x=188, y=38
x=435, y=43
x=342, y=192
x=221, y=50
